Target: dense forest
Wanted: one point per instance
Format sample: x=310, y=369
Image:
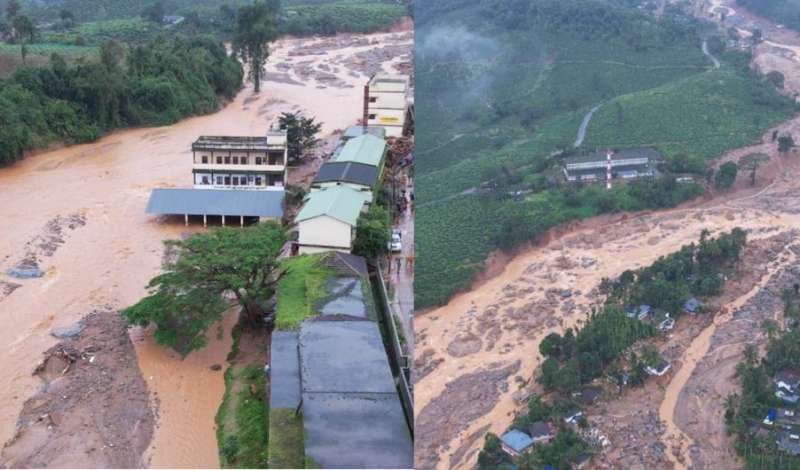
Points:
x=503, y=88
x=93, y=21
x=155, y=83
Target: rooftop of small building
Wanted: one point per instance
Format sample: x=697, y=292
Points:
x=366, y=149
x=341, y=203
x=274, y=139
x=357, y=131
x=517, y=440
x=228, y=202
x=601, y=155
x=347, y=172
x=384, y=82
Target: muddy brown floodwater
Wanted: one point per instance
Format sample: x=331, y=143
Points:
x=108, y=258
x=493, y=331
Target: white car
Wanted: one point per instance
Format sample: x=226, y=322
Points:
x=395, y=246
x=397, y=235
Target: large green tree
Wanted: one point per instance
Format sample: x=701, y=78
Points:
x=255, y=29
x=372, y=232
x=301, y=133
x=199, y=273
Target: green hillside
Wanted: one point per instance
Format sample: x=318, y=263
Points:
x=502, y=88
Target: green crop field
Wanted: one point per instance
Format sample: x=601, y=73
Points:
x=96, y=21
x=97, y=32
x=501, y=94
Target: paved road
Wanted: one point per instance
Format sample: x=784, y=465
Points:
x=403, y=282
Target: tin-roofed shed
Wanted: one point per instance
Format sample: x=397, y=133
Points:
x=217, y=202
x=328, y=220
x=366, y=149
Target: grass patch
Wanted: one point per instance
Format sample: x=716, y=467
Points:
x=286, y=444
x=299, y=290
x=242, y=419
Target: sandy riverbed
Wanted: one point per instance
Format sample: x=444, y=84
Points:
x=108, y=259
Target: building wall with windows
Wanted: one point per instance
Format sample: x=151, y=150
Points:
x=388, y=103
x=240, y=162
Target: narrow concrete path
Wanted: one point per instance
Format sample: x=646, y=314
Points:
x=584, y=125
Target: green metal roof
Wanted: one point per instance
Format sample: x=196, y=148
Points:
x=366, y=149
x=341, y=202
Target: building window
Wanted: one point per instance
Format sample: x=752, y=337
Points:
x=373, y=99
x=227, y=160
x=235, y=160
x=258, y=160
x=236, y=181
x=220, y=180
x=244, y=160
x=372, y=116
x=205, y=159
x=227, y=181
x=258, y=181
x=219, y=160
x=205, y=180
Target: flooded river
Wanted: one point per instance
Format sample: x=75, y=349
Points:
x=109, y=258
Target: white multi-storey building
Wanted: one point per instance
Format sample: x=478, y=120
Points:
x=387, y=104
x=227, y=162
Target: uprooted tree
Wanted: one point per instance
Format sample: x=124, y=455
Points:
x=199, y=273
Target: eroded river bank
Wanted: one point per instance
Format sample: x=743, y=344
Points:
x=77, y=214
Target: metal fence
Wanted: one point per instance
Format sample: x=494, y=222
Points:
x=397, y=355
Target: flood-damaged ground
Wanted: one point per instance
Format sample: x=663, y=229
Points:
x=552, y=286
x=92, y=409
x=634, y=423
x=76, y=215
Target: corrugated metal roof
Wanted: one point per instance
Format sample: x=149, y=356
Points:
x=232, y=202
x=356, y=131
x=366, y=149
x=600, y=156
x=341, y=203
x=347, y=172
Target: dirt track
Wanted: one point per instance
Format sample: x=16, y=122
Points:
x=553, y=286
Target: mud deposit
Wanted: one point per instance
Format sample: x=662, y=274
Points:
x=93, y=409
x=464, y=399
x=701, y=414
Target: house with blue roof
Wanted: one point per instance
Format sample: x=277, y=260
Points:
x=515, y=442
x=692, y=306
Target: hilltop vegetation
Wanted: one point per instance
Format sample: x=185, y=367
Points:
x=152, y=84
x=502, y=89
x=93, y=21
